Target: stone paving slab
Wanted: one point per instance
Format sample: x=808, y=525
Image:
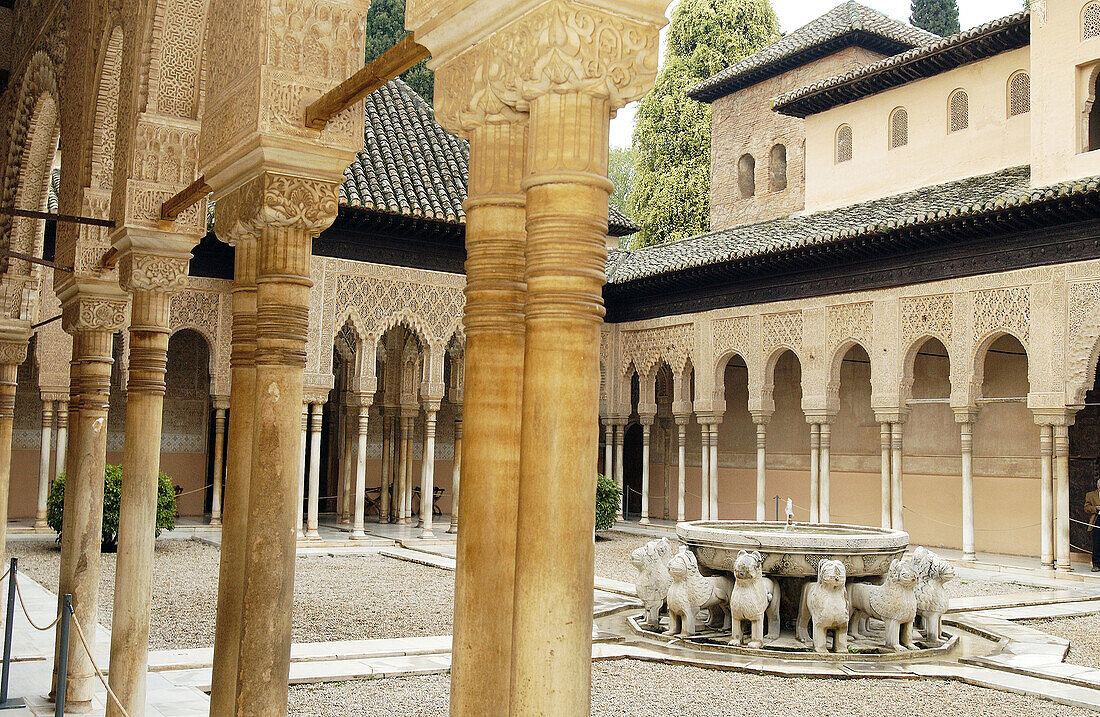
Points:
x=420, y=557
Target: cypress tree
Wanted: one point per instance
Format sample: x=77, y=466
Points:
x=938, y=16
x=385, y=28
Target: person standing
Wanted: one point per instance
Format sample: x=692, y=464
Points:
x=1092, y=505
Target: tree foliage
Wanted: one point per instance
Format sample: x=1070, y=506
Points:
x=608, y=499
x=385, y=28
x=620, y=171
x=938, y=16
x=670, y=197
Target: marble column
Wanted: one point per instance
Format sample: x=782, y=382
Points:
x=427, y=472
x=316, y=418
x=681, y=464
x=62, y=416
x=823, y=494
x=402, y=472
x=761, y=421
x=456, y=476
x=608, y=448
x=647, y=426
x=386, y=479
x=347, y=461
x=815, y=472
x=885, y=478
x=1046, y=495
x=238, y=475
x=704, y=473
x=14, y=338
x=82, y=525
x=620, y=439
x=358, y=530
x=409, y=474
x=219, y=464
x=151, y=279
x=713, y=496
x=492, y=412
x=897, y=520
x=1061, y=496
x=44, y=465
x=300, y=521
x=965, y=420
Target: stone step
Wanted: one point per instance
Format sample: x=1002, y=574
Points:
x=1076, y=675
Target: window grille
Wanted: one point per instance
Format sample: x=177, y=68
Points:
x=843, y=143
x=899, y=128
x=778, y=168
x=1090, y=21
x=1019, y=94
x=958, y=109
x=746, y=175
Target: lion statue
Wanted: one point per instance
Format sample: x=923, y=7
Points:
x=690, y=592
x=826, y=603
x=933, y=572
x=893, y=602
x=753, y=597
x=653, y=579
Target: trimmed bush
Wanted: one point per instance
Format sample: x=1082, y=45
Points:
x=608, y=498
x=112, y=500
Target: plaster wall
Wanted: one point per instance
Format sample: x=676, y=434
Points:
x=992, y=141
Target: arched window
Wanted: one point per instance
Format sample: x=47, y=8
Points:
x=777, y=169
x=1094, y=114
x=958, y=111
x=1090, y=21
x=843, y=143
x=1019, y=94
x=899, y=128
x=746, y=175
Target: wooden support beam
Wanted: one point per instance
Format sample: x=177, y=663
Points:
x=29, y=214
x=378, y=72
x=33, y=260
x=186, y=198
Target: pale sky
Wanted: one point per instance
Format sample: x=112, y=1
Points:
x=793, y=14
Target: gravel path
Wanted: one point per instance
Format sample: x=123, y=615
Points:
x=961, y=587
x=613, y=551
x=335, y=598
x=630, y=688
x=1083, y=634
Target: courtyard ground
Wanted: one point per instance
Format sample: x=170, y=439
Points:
x=1083, y=634
x=631, y=688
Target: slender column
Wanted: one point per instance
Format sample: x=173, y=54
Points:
x=359, y=522
x=150, y=279
x=13, y=352
x=347, y=463
x=83, y=513
x=1046, y=495
x=493, y=399
x=62, y=438
x=714, y=515
x=620, y=439
x=409, y=474
x=1061, y=496
x=238, y=479
x=761, y=421
x=884, y=445
x=966, y=449
x=704, y=470
x=815, y=475
x=427, y=474
x=456, y=476
x=608, y=448
x=387, y=466
x=681, y=464
x=44, y=465
x=219, y=465
x=315, y=420
x=402, y=471
x=300, y=521
x=896, y=503
x=647, y=424
x=823, y=495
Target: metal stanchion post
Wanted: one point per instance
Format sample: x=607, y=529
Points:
x=777, y=508
x=63, y=656
x=9, y=628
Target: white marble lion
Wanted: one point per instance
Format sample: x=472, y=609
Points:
x=690, y=592
x=933, y=572
x=826, y=603
x=753, y=597
x=893, y=602
x=653, y=579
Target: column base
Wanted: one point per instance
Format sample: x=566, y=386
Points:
x=41, y=524
x=358, y=535
x=1047, y=566
x=1065, y=569
x=215, y=522
x=345, y=521
x=453, y=530
x=312, y=535
x=643, y=521
x=969, y=557
x=427, y=534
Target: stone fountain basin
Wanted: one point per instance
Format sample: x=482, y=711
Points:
x=794, y=550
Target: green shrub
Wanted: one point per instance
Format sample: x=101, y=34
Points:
x=608, y=497
x=112, y=499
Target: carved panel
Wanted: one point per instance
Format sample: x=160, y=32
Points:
x=850, y=322
x=733, y=335
x=647, y=347
x=926, y=316
x=1004, y=309
x=783, y=329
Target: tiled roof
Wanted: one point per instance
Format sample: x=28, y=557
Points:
x=410, y=165
x=846, y=24
x=992, y=38
x=927, y=205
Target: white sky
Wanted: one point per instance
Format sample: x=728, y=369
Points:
x=793, y=14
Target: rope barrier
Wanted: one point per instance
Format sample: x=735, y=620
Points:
x=23, y=605
x=99, y=673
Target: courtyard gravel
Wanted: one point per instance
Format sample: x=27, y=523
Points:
x=1083, y=634
x=631, y=688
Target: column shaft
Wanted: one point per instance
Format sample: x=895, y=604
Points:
x=608, y=449
x=493, y=399
x=9, y=373
x=346, y=463
x=1046, y=495
x=704, y=470
x=300, y=520
x=387, y=468
x=620, y=439
x=238, y=477
x=1061, y=496
x=359, y=524
x=646, y=431
x=896, y=504
x=823, y=495
x=761, y=457
x=44, y=465
x=402, y=472
x=966, y=443
x=884, y=445
x=714, y=515
x=219, y=466
x=138, y=507
x=681, y=468
x=815, y=474
x=62, y=438
x=427, y=475
x=315, y=420
x=409, y=467
x=456, y=476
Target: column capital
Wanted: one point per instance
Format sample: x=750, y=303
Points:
x=220, y=402
x=709, y=419
x=682, y=418
x=761, y=418
x=646, y=419
x=103, y=308
x=276, y=199
x=14, y=337
x=1054, y=416
x=892, y=416
x=965, y=415
x=154, y=270
x=820, y=417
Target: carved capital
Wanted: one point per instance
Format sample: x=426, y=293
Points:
x=276, y=200
x=152, y=272
x=13, y=352
x=94, y=313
